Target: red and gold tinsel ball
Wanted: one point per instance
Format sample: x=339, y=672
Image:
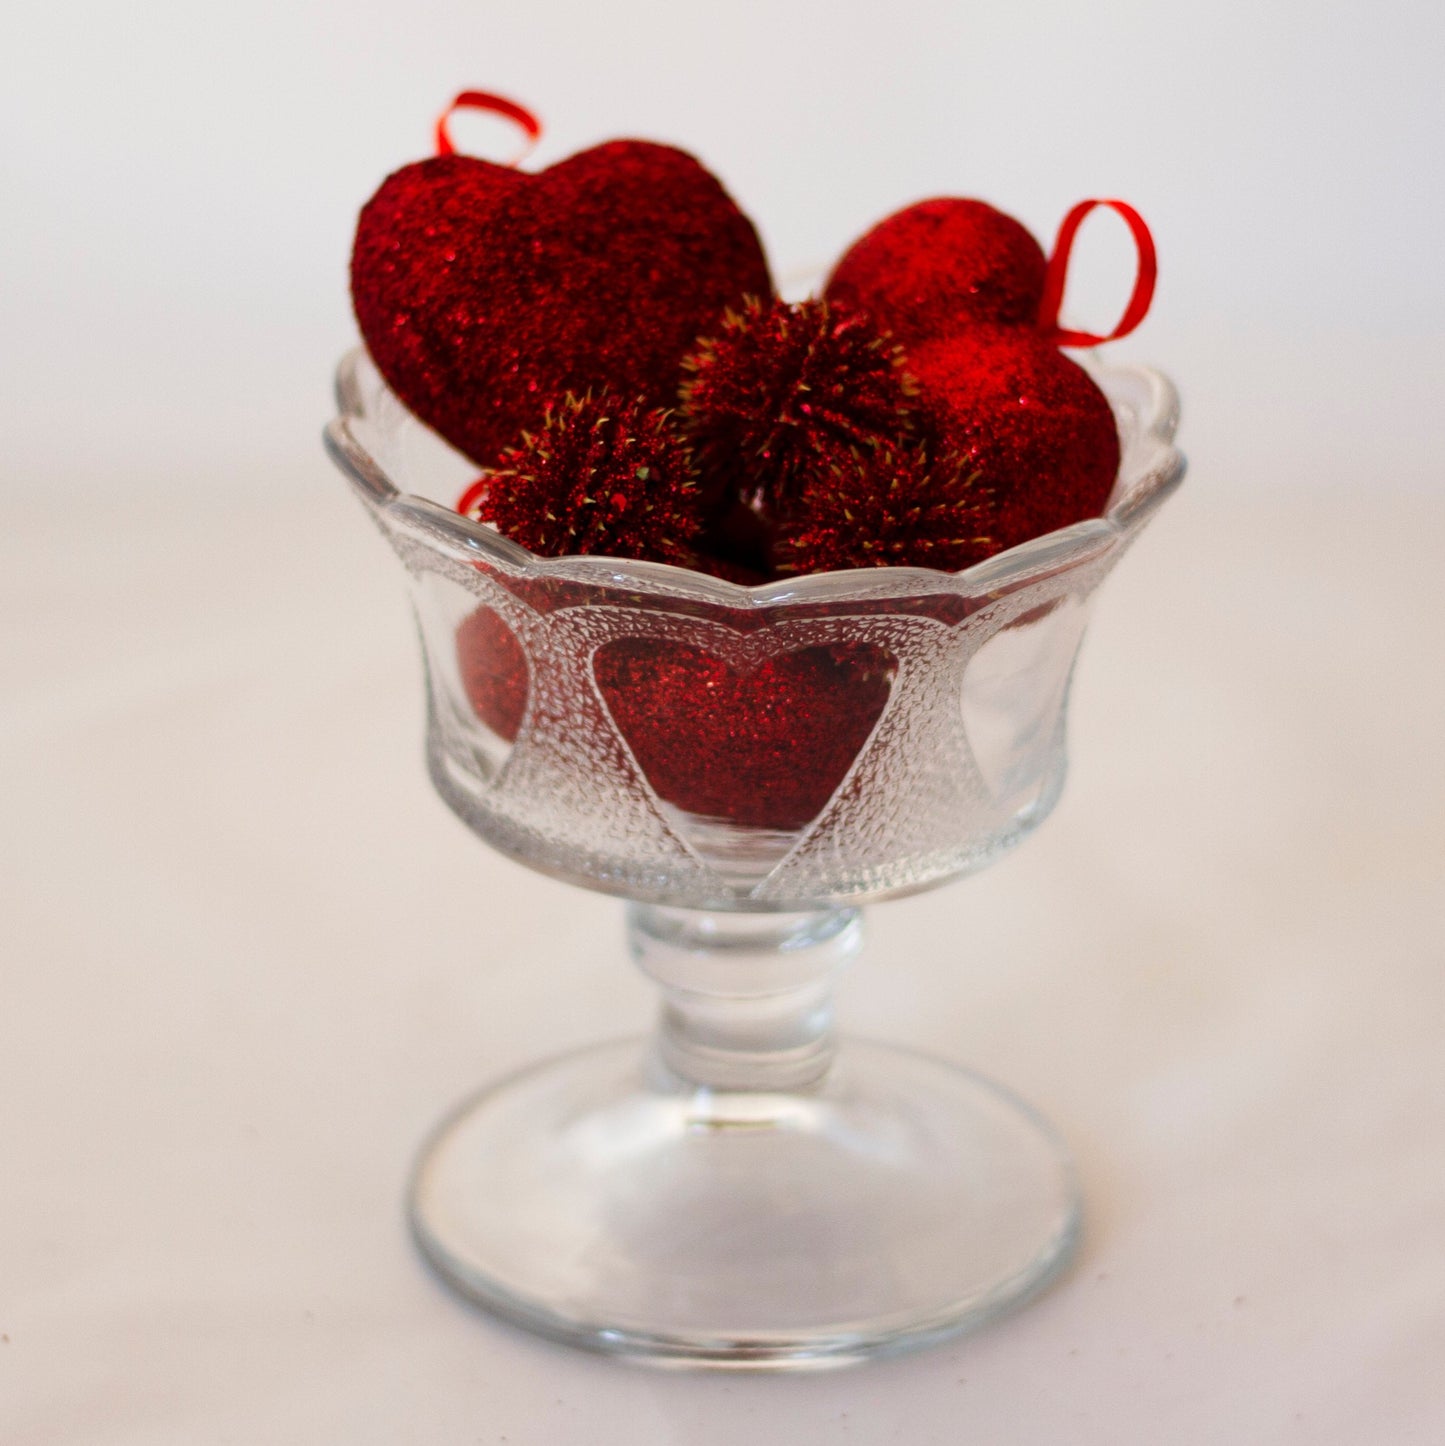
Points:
x=1031, y=424
x=940, y=266
x=779, y=385
x=889, y=507
x=598, y=476
x=482, y=291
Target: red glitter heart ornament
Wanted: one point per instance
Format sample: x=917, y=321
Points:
x=484, y=292
x=935, y=267
x=967, y=291
x=1032, y=425
x=763, y=747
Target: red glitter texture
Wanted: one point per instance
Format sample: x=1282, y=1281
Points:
x=891, y=507
x=598, y=476
x=1031, y=423
x=493, y=671
x=483, y=291
x=765, y=748
x=930, y=270
x=779, y=384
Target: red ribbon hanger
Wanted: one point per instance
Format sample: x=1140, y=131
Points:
x=494, y=105
x=1057, y=274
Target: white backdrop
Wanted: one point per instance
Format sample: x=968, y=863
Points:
x=248, y=959
x=181, y=180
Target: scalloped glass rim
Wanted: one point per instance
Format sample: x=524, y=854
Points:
x=1144, y=401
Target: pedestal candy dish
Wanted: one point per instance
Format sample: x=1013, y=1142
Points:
x=747, y=766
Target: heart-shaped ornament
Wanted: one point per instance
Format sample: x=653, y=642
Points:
x=969, y=294
x=939, y=265
x=485, y=293
x=1034, y=427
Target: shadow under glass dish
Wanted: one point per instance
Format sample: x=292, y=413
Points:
x=747, y=766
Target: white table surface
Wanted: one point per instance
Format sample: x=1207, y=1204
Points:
x=249, y=959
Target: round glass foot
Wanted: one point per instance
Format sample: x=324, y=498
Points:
x=599, y=1200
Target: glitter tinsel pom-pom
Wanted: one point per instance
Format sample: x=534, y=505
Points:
x=781, y=383
x=891, y=507
x=600, y=476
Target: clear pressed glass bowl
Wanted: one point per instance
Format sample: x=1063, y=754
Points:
x=747, y=766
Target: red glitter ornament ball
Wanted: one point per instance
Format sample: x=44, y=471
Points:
x=782, y=383
x=934, y=268
x=1031, y=423
x=598, y=476
x=494, y=672
x=891, y=507
x=482, y=291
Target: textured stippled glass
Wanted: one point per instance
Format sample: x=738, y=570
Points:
x=747, y=765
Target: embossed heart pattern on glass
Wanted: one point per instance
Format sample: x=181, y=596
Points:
x=666, y=735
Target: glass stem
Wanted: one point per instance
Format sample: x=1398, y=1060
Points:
x=747, y=998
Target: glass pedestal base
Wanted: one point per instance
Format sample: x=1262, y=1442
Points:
x=601, y=1200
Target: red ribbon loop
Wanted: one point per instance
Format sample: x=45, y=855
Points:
x=1058, y=268
x=495, y=105
x=473, y=495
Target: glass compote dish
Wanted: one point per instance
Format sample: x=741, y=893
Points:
x=746, y=766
